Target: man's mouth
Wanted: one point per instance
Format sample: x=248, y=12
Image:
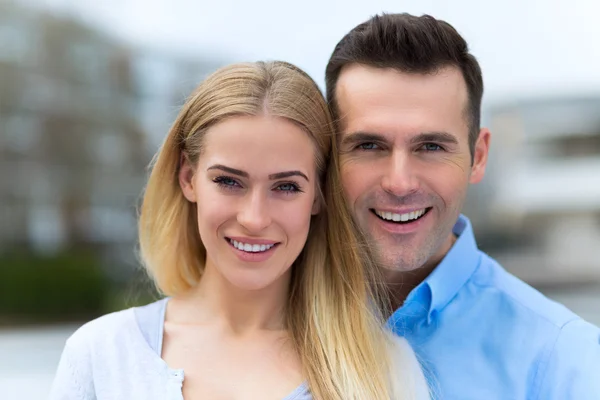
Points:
x=404, y=218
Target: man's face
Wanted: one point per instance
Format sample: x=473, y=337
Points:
x=405, y=159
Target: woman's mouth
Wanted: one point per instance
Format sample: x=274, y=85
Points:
x=251, y=247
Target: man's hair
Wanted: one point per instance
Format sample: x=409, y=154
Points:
x=409, y=44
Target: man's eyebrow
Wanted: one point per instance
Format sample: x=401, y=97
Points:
x=360, y=137
x=437, y=137
x=230, y=170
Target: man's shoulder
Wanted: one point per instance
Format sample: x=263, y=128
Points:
x=528, y=334
x=493, y=281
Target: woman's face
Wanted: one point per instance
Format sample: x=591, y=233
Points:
x=255, y=190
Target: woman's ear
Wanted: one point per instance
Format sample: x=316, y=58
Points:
x=316, y=207
x=186, y=177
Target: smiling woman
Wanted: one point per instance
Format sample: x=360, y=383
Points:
x=269, y=295
x=255, y=192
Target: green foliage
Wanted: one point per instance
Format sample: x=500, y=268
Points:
x=139, y=290
x=65, y=286
x=70, y=286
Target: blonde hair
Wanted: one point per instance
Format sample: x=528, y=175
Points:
x=332, y=311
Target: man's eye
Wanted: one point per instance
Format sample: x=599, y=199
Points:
x=368, y=146
x=432, y=147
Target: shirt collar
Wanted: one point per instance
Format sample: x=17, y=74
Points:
x=440, y=287
x=455, y=269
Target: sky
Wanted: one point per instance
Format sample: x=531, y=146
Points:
x=526, y=48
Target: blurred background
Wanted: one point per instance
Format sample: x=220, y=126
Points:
x=88, y=91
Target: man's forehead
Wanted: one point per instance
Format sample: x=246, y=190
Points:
x=373, y=98
x=358, y=79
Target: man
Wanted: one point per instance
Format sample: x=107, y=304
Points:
x=406, y=96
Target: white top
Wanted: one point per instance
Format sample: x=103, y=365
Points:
x=117, y=356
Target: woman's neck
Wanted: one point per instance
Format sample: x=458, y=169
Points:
x=216, y=301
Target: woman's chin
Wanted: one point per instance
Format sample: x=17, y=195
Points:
x=255, y=281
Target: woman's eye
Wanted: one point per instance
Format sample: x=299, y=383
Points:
x=288, y=187
x=225, y=181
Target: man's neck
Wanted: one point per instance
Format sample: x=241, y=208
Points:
x=401, y=283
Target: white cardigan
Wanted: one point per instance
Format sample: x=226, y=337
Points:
x=117, y=356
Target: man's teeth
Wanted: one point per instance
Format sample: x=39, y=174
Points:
x=389, y=216
x=251, y=248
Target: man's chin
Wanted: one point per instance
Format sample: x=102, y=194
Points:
x=395, y=265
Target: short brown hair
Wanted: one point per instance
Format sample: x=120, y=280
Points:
x=410, y=44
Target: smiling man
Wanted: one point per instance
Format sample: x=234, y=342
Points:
x=406, y=95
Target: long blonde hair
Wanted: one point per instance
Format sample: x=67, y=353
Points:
x=332, y=312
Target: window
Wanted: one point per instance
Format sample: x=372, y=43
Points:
x=21, y=132
x=16, y=41
x=108, y=148
x=46, y=227
x=89, y=63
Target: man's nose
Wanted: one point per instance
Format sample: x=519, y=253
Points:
x=399, y=178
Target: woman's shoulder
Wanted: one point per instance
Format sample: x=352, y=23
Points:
x=409, y=375
x=113, y=328
x=102, y=328
x=106, y=345
x=402, y=349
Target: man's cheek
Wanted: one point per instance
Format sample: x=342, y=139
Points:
x=455, y=163
x=350, y=182
x=451, y=173
x=452, y=192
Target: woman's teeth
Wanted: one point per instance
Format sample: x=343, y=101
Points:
x=250, y=248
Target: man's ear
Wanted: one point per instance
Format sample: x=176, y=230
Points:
x=480, y=156
x=186, y=177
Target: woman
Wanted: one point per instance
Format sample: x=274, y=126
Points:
x=268, y=293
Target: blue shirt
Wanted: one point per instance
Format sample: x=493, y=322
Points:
x=481, y=333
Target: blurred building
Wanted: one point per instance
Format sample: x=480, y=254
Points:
x=80, y=116
x=538, y=209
